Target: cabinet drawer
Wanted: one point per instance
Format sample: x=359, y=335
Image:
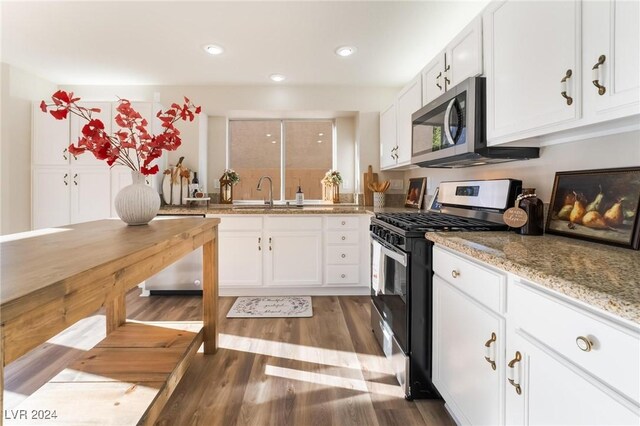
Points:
x=615, y=350
x=343, y=274
x=484, y=285
x=342, y=237
x=235, y=223
x=343, y=255
x=342, y=222
x=293, y=223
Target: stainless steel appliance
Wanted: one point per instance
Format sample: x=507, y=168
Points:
x=450, y=131
x=402, y=271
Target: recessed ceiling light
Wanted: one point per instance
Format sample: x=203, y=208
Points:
x=277, y=77
x=213, y=49
x=345, y=51
x=320, y=134
x=319, y=141
x=273, y=141
x=268, y=135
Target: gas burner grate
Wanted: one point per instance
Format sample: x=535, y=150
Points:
x=436, y=221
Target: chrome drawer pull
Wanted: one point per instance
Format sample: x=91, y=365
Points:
x=343, y=255
x=343, y=276
x=584, y=343
x=343, y=238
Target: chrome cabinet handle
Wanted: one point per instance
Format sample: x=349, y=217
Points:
x=75, y=182
x=488, y=355
x=595, y=75
x=259, y=244
x=563, y=87
x=455, y=274
x=270, y=244
x=584, y=343
x=64, y=179
x=343, y=255
x=515, y=382
x=64, y=154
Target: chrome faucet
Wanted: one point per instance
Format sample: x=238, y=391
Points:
x=259, y=188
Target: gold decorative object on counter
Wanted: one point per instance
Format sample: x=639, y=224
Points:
x=227, y=181
x=331, y=186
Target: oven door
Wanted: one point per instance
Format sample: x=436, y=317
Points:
x=389, y=280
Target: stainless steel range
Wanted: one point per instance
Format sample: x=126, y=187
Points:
x=402, y=271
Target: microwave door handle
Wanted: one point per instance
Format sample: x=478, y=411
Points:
x=447, y=116
x=402, y=259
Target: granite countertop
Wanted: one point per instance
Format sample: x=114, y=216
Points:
x=308, y=209
x=602, y=276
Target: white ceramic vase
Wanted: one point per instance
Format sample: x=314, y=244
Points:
x=138, y=203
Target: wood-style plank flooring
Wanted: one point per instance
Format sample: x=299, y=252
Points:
x=324, y=370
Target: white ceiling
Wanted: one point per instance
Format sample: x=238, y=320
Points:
x=151, y=42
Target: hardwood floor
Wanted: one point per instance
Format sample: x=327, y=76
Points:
x=324, y=370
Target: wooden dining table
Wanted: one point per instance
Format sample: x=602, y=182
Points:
x=52, y=278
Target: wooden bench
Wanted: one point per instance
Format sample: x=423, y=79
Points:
x=52, y=279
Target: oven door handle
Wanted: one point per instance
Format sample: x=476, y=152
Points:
x=400, y=258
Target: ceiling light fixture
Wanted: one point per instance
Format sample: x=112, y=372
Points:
x=320, y=134
x=345, y=51
x=319, y=141
x=273, y=141
x=268, y=135
x=277, y=77
x=213, y=49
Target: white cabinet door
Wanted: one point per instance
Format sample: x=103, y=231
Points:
x=529, y=48
x=388, y=137
x=467, y=382
x=76, y=124
x=433, y=79
x=50, y=139
x=90, y=194
x=611, y=32
x=409, y=101
x=240, y=258
x=464, y=54
x=50, y=197
x=294, y=258
x=553, y=392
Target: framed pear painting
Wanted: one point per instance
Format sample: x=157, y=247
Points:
x=597, y=205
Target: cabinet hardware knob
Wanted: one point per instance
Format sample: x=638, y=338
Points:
x=595, y=75
x=584, y=343
x=455, y=274
x=344, y=222
x=343, y=255
x=343, y=276
x=270, y=248
x=563, y=87
x=447, y=82
x=343, y=238
x=488, y=356
x=64, y=154
x=438, y=81
x=64, y=179
x=512, y=379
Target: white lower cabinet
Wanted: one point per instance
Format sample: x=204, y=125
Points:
x=293, y=254
x=557, y=361
x=63, y=195
x=464, y=333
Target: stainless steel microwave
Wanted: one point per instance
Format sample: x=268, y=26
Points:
x=450, y=131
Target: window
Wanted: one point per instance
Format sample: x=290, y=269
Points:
x=291, y=152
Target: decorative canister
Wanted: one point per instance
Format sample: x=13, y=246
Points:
x=378, y=199
x=533, y=206
x=138, y=203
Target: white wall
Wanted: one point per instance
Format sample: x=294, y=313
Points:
x=622, y=150
x=19, y=89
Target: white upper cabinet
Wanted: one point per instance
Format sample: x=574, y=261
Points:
x=611, y=57
x=532, y=64
x=50, y=139
x=409, y=101
x=388, y=137
x=395, y=126
x=461, y=59
x=76, y=124
x=433, y=79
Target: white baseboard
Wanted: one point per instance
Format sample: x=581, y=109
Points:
x=295, y=291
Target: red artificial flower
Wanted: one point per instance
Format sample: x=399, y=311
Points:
x=43, y=106
x=149, y=171
x=59, y=114
x=73, y=150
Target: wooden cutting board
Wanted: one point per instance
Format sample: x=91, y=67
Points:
x=368, y=178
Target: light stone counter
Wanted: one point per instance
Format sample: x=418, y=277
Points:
x=308, y=209
x=603, y=276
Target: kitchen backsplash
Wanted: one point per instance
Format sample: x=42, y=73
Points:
x=622, y=150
